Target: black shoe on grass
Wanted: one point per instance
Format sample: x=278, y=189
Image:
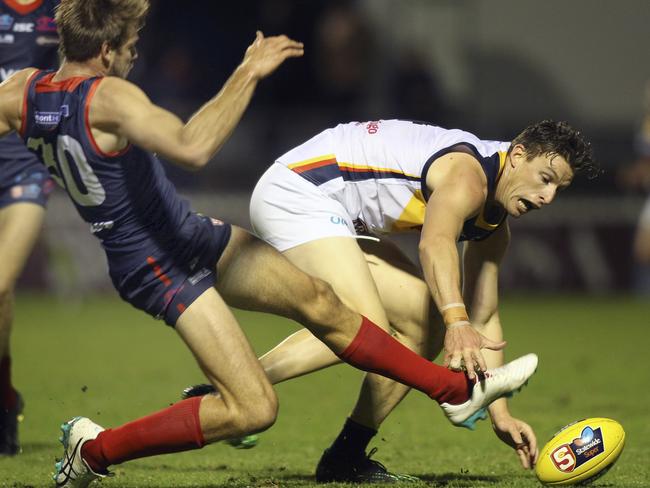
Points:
x=9, y=418
x=334, y=467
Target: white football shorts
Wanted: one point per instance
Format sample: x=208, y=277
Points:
x=286, y=210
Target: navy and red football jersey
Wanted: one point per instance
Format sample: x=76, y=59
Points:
x=28, y=38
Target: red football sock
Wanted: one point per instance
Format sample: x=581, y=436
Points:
x=376, y=351
x=174, y=429
x=7, y=392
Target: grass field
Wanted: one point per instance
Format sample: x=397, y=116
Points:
x=103, y=359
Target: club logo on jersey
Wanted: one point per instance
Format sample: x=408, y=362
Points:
x=45, y=24
x=24, y=27
x=568, y=457
x=6, y=21
x=49, y=120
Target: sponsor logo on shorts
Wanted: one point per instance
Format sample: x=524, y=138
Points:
x=336, y=220
x=96, y=227
x=198, y=276
x=45, y=24
x=6, y=21
x=569, y=457
x=6, y=38
x=31, y=191
x=216, y=221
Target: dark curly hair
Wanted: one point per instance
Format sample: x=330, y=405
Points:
x=559, y=138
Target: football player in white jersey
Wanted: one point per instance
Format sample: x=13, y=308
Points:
x=325, y=206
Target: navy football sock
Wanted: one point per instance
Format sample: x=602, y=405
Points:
x=353, y=439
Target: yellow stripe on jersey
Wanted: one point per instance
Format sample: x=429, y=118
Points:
x=317, y=159
x=373, y=169
x=413, y=214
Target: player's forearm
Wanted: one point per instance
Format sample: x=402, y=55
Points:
x=210, y=127
x=439, y=259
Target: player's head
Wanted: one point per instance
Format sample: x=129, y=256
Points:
x=103, y=29
x=541, y=161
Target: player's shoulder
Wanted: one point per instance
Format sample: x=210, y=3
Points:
x=114, y=96
x=19, y=78
x=460, y=165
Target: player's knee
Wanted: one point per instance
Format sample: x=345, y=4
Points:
x=258, y=415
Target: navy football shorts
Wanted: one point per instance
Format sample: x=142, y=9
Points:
x=33, y=185
x=164, y=284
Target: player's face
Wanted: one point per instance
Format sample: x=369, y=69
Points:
x=124, y=58
x=531, y=184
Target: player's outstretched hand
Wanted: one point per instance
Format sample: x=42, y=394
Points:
x=520, y=436
x=463, y=344
x=265, y=54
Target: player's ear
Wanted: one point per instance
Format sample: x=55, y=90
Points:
x=517, y=154
x=106, y=54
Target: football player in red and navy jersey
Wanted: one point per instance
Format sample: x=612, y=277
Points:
x=28, y=37
x=98, y=134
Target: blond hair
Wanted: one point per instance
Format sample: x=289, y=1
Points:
x=84, y=25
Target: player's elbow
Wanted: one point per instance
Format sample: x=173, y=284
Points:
x=434, y=244
x=193, y=158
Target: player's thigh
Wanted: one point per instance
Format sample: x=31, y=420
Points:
x=404, y=294
x=340, y=262
x=20, y=226
x=212, y=333
x=252, y=275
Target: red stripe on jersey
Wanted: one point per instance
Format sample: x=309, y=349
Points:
x=23, y=9
x=46, y=85
x=23, y=116
x=317, y=164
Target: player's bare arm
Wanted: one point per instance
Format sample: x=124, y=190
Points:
x=122, y=113
x=482, y=260
x=458, y=191
x=11, y=101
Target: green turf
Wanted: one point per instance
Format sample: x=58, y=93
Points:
x=103, y=359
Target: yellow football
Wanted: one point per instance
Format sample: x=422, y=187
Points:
x=581, y=452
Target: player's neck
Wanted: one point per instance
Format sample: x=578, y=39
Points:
x=502, y=184
x=72, y=69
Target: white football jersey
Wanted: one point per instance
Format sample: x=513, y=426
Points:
x=377, y=170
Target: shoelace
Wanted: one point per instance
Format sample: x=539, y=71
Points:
x=373, y=461
x=69, y=460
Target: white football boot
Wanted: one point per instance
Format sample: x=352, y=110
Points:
x=72, y=471
x=503, y=381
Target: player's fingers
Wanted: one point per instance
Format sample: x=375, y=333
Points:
x=528, y=434
x=479, y=360
x=523, y=458
x=455, y=361
x=469, y=364
x=293, y=51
